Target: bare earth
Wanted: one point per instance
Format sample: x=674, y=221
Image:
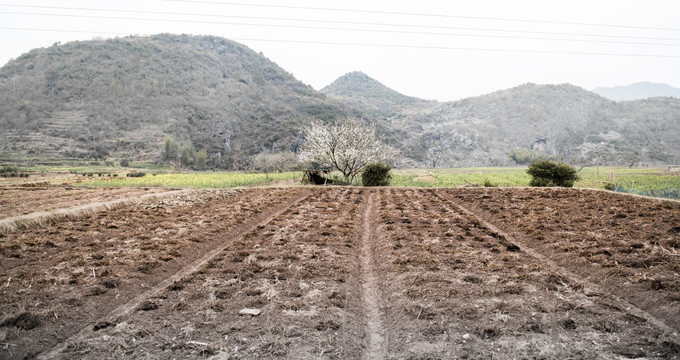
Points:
x=347, y=273
x=22, y=201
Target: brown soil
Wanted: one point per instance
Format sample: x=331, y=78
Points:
x=75, y=272
x=348, y=273
x=630, y=246
x=25, y=200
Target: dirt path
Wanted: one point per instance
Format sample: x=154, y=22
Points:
x=370, y=292
x=551, y=265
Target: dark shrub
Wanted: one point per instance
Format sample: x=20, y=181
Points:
x=316, y=177
x=135, y=174
x=124, y=162
x=552, y=173
x=610, y=186
x=9, y=171
x=376, y=175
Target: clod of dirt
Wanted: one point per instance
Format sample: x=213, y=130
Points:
x=176, y=286
x=251, y=312
x=657, y=285
x=110, y=283
x=488, y=333
x=102, y=325
x=568, y=324
x=512, y=247
x=148, y=306
x=22, y=321
x=669, y=349
x=95, y=290
x=327, y=324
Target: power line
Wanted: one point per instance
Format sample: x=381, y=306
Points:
x=337, y=29
x=382, y=45
x=69, y=31
x=422, y=14
x=338, y=22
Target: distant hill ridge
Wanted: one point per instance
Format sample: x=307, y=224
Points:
x=637, y=91
x=123, y=96
x=120, y=97
x=564, y=121
x=369, y=95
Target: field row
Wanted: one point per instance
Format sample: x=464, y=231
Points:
x=23, y=201
x=338, y=273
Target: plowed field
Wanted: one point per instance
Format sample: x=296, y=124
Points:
x=349, y=273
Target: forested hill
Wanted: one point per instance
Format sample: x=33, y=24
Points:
x=367, y=94
x=121, y=97
x=562, y=121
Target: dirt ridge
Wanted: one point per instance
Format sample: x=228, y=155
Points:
x=370, y=292
x=11, y=264
x=16, y=223
x=135, y=303
x=629, y=308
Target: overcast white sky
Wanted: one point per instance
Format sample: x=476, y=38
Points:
x=469, y=48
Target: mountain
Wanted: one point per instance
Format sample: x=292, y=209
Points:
x=108, y=99
x=562, y=121
x=360, y=91
x=121, y=97
x=637, y=91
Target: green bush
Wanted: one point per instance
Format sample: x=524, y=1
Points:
x=136, y=174
x=552, y=173
x=610, y=186
x=376, y=175
x=124, y=162
x=488, y=183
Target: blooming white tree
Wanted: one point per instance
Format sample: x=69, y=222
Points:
x=347, y=145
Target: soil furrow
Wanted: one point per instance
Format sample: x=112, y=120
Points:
x=138, y=301
x=126, y=251
x=54, y=249
x=370, y=295
x=588, y=286
x=287, y=290
x=23, y=201
x=332, y=273
x=42, y=218
x=453, y=288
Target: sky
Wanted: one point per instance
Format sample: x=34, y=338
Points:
x=441, y=50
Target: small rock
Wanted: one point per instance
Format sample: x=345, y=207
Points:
x=252, y=312
x=466, y=336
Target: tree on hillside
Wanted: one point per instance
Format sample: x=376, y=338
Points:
x=524, y=156
x=187, y=155
x=346, y=145
x=279, y=162
x=200, y=160
x=170, y=150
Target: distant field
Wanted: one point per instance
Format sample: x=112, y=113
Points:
x=650, y=179
x=460, y=177
x=198, y=180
